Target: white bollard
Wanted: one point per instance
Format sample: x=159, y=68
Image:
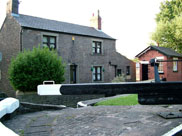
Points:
x=49, y=89
x=8, y=105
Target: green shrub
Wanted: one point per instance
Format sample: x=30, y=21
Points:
x=121, y=78
x=31, y=68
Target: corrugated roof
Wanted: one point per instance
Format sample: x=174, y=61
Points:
x=166, y=51
x=58, y=26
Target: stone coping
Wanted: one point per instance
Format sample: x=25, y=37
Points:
x=138, y=120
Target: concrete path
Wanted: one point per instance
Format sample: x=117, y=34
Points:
x=96, y=121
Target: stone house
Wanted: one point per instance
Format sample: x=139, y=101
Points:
x=89, y=53
x=169, y=71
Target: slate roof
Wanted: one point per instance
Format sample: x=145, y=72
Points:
x=166, y=51
x=58, y=26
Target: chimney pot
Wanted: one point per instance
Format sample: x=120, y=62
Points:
x=96, y=21
x=12, y=7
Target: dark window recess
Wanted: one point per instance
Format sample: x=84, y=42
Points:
x=96, y=47
x=49, y=41
x=119, y=72
x=73, y=73
x=97, y=73
x=127, y=70
x=144, y=72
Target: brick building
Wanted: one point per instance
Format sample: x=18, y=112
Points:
x=170, y=71
x=89, y=53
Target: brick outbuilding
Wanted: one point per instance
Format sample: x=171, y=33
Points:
x=169, y=71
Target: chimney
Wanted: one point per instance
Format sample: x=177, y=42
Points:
x=12, y=7
x=96, y=21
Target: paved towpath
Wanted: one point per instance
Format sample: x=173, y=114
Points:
x=96, y=121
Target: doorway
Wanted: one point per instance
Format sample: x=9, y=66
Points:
x=144, y=72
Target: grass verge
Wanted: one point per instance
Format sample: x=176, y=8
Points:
x=120, y=101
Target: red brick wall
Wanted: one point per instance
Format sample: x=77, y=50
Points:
x=167, y=67
x=171, y=75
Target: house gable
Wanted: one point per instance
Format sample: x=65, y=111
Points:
x=163, y=50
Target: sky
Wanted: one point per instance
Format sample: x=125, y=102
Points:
x=129, y=21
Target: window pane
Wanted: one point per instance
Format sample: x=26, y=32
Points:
x=45, y=39
x=160, y=69
x=93, y=44
x=175, y=64
x=93, y=47
x=94, y=77
x=175, y=68
x=45, y=45
x=98, y=50
x=98, y=69
x=52, y=40
x=52, y=46
x=94, y=70
x=98, y=77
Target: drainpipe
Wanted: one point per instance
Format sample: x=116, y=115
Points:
x=21, y=40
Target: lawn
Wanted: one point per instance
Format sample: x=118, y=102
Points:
x=120, y=101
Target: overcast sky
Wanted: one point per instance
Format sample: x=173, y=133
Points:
x=129, y=21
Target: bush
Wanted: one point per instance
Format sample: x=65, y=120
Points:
x=121, y=78
x=31, y=68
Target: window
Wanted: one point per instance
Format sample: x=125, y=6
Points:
x=96, y=47
x=127, y=70
x=97, y=73
x=175, y=65
x=119, y=72
x=160, y=68
x=49, y=41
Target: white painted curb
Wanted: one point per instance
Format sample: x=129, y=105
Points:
x=174, y=131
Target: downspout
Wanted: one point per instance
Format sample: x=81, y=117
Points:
x=21, y=39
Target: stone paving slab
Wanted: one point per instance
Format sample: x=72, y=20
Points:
x=96, y=121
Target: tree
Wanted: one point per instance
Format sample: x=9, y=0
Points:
x=169, y=25
x=169, y=10
x=31, y=68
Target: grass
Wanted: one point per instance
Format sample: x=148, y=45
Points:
x=120, y=101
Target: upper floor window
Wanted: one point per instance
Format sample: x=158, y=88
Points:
x=97, y=47
x=175, y=65
x=97, y=73
x=49, y=41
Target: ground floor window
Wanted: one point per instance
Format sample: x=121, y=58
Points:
x=175, y=65
x=127, y=70
x=160, y=69
x=119, y=72
x=97, y=73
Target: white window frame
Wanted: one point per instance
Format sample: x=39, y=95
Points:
x=161, y=66
x=102, y=51
x=101, y=74
x=175, y=64
x=51, y=35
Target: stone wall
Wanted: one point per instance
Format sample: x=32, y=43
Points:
x=79, y=52
x=67, y=100
x=9, y=46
